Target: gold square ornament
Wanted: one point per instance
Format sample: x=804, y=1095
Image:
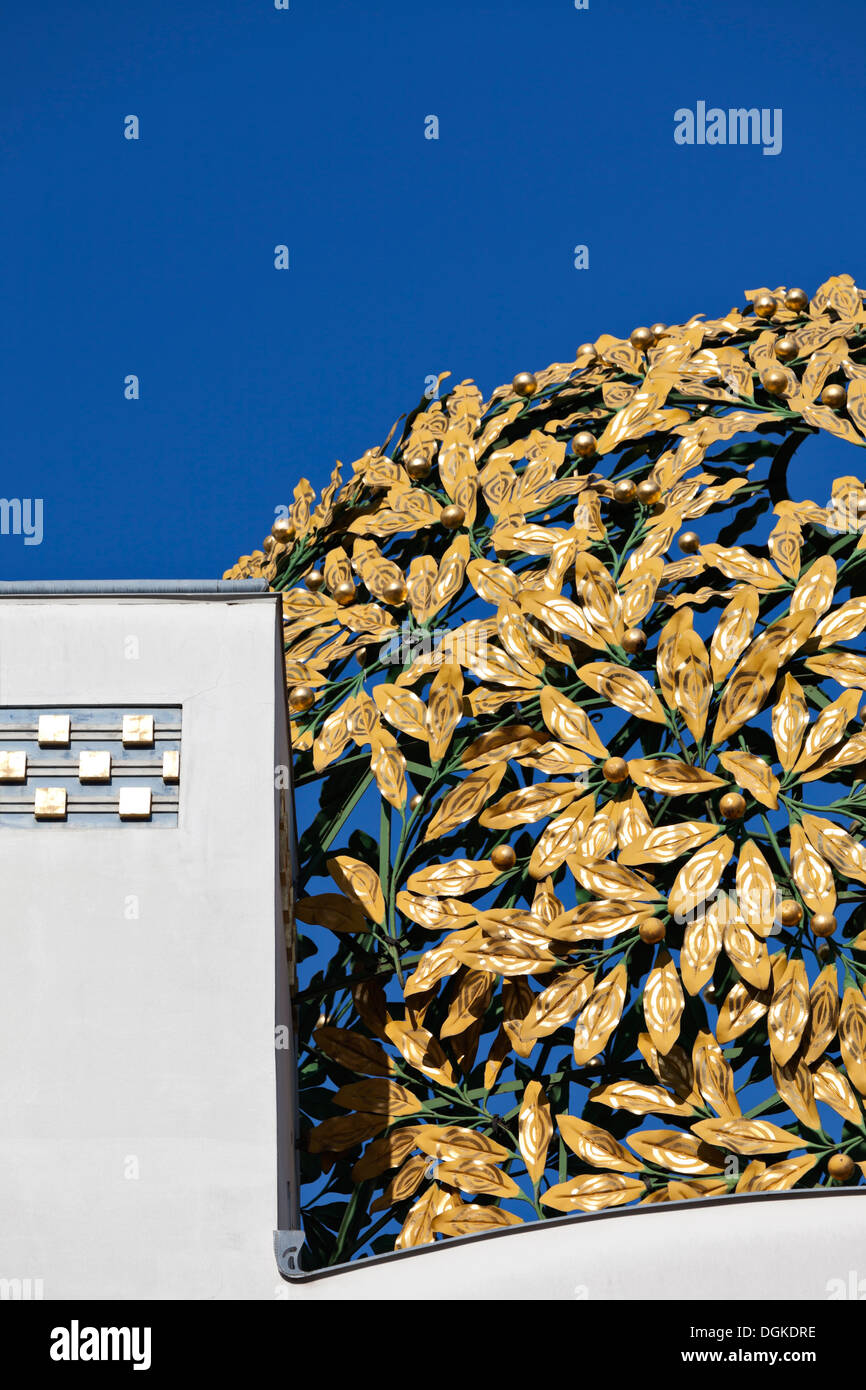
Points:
x=94, y=766
x=137, y=730
x=50, y=803
x=54, y=730
x=136, y=803
x=13, y=767
x=171, y=765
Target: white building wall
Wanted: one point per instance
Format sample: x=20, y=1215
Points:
x=145, y=1045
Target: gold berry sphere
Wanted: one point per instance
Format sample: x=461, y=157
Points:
x=587, y=352
x=415, y=802
x=394, y=591
x=453, y=517
x=268, y=544
x=615, y=769
x=774, y=380
x=732, y=806
x=796, y=301
x=764, y=305
x=840, y=1167
x=710, y=993
x=790, y=913
x=652, y=931
x=282, y=530
x=657, y=329
x=785, y=349
x=584, y=444
x=634, y=640
x=344, y=593
x=418, y=468
x=834, y=396
x=689, y=542
x=314, y=579
x=624, y=491
x=301, y=697
x=823, y=924
x=641, y=338
x=648, y=492
x=503, y=857
x=524, y=384
x=823, y=950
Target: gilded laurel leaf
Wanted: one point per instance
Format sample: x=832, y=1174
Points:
x=742, y=1007
x=700, y=876
x=530, y=804
x=469, y=1004
x=778, y=1177
x=454, y=879
x=746, y=691
x=341, y=1132
x=624, y=688
x=359, y=882
x=593, y=1192
x=683, y=1153
x=569, y=723
x=747, y=1136
x=671, y=777
x=702, y=942
x=852, y=1036
x=756, y=890
x=378, y=1097
x=388, y=1151
x=693, y=685
x=831, y=1087
x=465, y=800
x=794, y=1083
x=403, y=709
x=453, y=1143
x=469, y=1219
x=747, y=954
x=600, y=1015
x=714, y=1077
x=444, y=708
x=789, y=1012
x=477, y=1176
x=333, y=911
x=753, y=774
x=354, y=1051
x=557, y=1004
x=811, y=873
x=535, y=1130
x=665, y=843
x=421, y=1050
x=389, y=769
x=639, y=1099
x=663, y=1002
x=403, y=1184
x=823, y=1014
x=595, y=1146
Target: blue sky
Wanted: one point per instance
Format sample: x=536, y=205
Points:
x=407, y=256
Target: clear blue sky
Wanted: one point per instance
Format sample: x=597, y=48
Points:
x=408, y=256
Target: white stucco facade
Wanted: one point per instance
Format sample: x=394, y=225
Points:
x=139, y=968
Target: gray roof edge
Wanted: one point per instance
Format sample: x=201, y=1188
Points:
x=109, y=588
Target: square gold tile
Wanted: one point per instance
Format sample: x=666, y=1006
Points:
x=54, y=730
x=136, y=803
x=94, y=766
x=137, y=730
x=13, y=767
x=50, y=803
x=171, y=765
